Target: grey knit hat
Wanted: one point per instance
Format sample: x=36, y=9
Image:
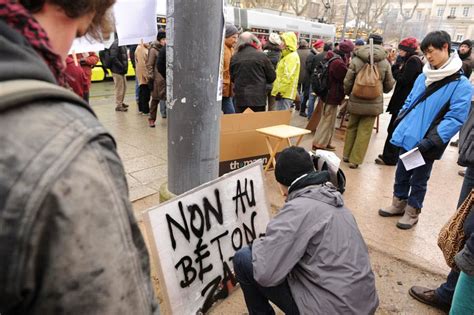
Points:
x=230, y=30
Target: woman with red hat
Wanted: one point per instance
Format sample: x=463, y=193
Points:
x=405, y=71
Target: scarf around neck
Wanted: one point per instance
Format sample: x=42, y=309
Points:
x=453, y=65
x=17, y=17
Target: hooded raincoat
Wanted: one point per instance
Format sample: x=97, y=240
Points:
x=288, y=69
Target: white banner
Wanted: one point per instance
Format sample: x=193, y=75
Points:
x=135, y=20
x=194, y=236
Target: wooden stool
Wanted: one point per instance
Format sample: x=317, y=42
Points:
x=283, y=134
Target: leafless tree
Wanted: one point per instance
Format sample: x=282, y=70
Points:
x=376, y=10
x=299, y=6
x=360, y=11
x=407, y=14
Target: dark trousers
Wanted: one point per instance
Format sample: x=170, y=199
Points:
x=153, y=108
x=390, y=152
x=446, y=290
x=143, y=98
x=240, y=109
x=412, y=184
x=303, y=88
x=257, y=297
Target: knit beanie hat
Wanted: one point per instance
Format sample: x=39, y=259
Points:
x=409, y=44
x=467, y=42
x=346, y=46
x=230, y=30
x=318, y=44
x=292, y=163
x=161, y=35
x=359, y=42
x=275, y=39
x=378, y=40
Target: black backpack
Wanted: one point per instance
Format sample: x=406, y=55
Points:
x=105, y=58
x=320, y=78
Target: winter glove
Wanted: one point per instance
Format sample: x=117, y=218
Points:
x=278, y=96
x=465, y=261
x=150, y=84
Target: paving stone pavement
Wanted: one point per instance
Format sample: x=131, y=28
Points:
x=144, y=153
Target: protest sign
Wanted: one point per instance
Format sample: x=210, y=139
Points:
x=194, y=237
x=135, y=20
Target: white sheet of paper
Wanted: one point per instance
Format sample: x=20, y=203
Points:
x=412, y=159
x=135, y=20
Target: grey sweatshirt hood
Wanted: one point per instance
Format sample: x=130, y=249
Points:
x=18, y=60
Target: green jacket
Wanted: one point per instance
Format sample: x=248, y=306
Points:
x=363, y=107
x=288, y=69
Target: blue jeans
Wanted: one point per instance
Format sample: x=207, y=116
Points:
x=446, y=290
x=227, y=105
x=412, y=184
x=283, y=104
x=163, y=108
x=257, y=297
x=311, y=101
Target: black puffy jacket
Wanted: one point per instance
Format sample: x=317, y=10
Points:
x=118, y=58
x=250, y=71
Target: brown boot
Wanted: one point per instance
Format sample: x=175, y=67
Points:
x=428, y=296
x=397, y=208
x=409, y=219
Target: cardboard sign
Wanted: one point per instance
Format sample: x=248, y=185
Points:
x=240, y=144
x=194, y=237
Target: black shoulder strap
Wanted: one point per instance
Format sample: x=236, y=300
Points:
x=429, y=91
x=14, y=93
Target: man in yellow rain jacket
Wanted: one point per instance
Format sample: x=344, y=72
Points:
x=287, y=73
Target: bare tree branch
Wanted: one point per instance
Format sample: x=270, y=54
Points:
x=408, y=16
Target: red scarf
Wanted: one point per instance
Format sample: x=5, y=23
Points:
x=17, y=17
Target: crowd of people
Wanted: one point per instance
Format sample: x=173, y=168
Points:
x=64, y=208
x=430, y=104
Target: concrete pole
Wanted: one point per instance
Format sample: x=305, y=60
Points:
x=194, y=49
x=345, y=20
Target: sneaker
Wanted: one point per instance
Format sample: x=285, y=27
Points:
x=353, y=165
x=151, y=123
x=121, y=109
x=345, y=160
x=124, y=105
x=429, y=297
x=303, y=114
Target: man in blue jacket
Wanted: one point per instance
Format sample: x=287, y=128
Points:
x=433, y=113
